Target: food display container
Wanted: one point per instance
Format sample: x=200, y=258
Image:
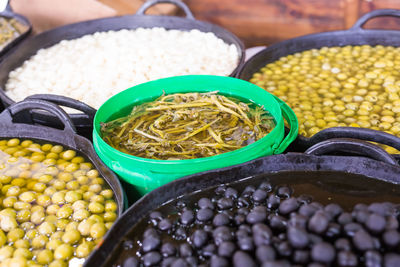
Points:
x=83, y=120
x=313, y=165
x=356, y=35
x=148, y=174
x=9, y=14
x=15, y=123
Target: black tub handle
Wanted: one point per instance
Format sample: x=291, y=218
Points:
x=178, y=3
x=66, y=102
x=356, y=133
x=354, y=146
x=373, y=14
x=7, y=117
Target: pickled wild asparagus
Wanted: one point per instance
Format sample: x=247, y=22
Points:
x=187, y=126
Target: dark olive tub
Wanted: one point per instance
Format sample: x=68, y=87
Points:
x=345, y=180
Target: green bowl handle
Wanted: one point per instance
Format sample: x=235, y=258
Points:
x=291, y=118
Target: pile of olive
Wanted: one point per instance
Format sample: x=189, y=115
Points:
x=54, y=207
x=356, y=86
x=264, y=226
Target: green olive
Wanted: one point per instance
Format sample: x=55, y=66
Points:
x=111, y=206
x=45, y=256
x=15, y=234
x=13, y=191
x=26, y=226
x=80, y=204
x=110, y=216
x=88, y=195
x=46, y=228
x=49, y=191
x=68, y=154
x=27, y=196
x=71, y=236
x=53, y=244
x=82, y=179
x=96, y=207
x=39, y=187
x=57, y=235
x=64, y=212
x=58, y=198
x=57, y=149
x=31, y=234
x=84, y=227
x=23, y=253
x=92, y=174
x=65, y=177
x=22, y=243
x=73, y=185
x=37, y=217
x=23, y=215
x=62, y=223
x=52, y=209
x=39, y=241
x=83, y=250
x=13, y=142
x=107, y=193
x=20, y=182
x=9, y=202
x=51, y=219
x=97, y=230
x=81, y=214
x=96, y=188
x=19, y=205
x=73, y=196
x=43, y=200
x=59, y=185
x=8, y=223
x=63, y=252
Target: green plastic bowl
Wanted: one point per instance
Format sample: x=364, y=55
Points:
x=148, y=174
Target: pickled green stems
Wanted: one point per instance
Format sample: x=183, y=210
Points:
x=187, y=126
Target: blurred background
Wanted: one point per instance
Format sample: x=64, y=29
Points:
x=256, y=22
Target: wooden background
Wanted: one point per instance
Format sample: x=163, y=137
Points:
x=262, y=22
x=256, y=22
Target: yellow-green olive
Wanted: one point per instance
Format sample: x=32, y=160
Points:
x=361, y=77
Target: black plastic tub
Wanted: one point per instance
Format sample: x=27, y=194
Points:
x=286, y=166
x=15, y=123
x=83, y=121
x=356, y=35
x=9, y=14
